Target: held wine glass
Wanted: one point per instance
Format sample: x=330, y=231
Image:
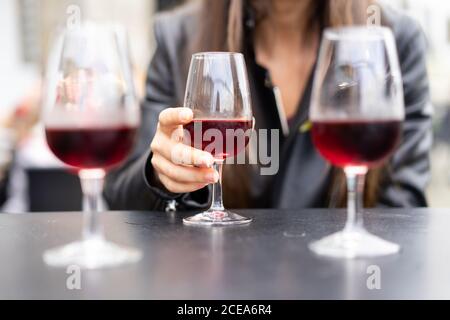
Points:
x=218, y=93
x=91, y=116
x=357, y=113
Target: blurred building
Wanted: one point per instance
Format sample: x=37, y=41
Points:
x=434, y=17
x=27, y=29
x=17, y=73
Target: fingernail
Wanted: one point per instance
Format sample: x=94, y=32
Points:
x=185, y=114
x=207, y=162
x=212, y=176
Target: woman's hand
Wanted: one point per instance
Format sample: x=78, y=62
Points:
x=179, y=167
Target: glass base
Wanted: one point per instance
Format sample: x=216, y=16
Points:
x=91, y=254
x=353, y=244
x=216, y=218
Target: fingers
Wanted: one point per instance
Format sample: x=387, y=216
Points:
x=179, y=153
x=183, y=174
x=179, y=167
x=177, y=187
x=171, y=118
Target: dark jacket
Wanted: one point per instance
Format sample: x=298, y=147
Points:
x=304, y=177
x=3, y=190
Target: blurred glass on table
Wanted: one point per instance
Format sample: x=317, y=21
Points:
x=91, y=115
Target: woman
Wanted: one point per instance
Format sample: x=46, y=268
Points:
x=14, y=128
x=280, y=41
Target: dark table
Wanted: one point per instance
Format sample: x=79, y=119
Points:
x=268, y=259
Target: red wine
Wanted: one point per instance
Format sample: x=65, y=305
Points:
x=204, y=133
x=88, y=148
x=356, y=143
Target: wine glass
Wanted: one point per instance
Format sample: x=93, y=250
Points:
x=91, y=117
x=356, y=112
x=218, y=93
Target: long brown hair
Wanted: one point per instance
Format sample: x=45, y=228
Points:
x=222, y=29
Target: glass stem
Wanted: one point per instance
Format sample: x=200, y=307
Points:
x=92, y=187
x=217, y=201
x=355, y=192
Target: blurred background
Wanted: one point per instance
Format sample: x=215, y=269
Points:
x=37, y=180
